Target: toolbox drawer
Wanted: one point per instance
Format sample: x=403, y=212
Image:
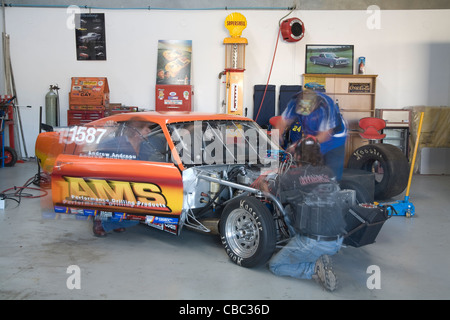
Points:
x=81, y=117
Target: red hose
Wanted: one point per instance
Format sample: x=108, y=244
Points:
x=268, y=79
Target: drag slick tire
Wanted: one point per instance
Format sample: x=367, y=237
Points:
x=389, y=164
x=247, y=231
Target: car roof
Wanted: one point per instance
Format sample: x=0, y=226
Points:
x=163, y=118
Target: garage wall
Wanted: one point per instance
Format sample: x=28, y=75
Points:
x=408, y=49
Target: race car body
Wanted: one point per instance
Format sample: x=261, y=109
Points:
x=94, y=173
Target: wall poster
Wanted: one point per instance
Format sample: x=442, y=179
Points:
x=329, y=59
x=90, y=36
x=174, y=62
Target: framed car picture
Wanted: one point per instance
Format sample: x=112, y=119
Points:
x=90, y=36
x=328, y=59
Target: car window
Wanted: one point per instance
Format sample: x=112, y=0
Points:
x=222, y=142
x=128, y=140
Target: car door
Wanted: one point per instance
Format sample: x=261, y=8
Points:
x=99, y=171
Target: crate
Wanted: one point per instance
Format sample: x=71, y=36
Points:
x=81, y=117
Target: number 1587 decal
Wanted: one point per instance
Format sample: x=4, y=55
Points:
x=81, y=135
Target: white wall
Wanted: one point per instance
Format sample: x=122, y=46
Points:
x=409, y=51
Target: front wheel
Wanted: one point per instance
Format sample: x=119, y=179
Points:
x=247, y=231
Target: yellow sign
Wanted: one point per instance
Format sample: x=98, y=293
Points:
x=235, y=23
x=114, y=193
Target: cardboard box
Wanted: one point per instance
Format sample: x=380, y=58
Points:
x=93, y=91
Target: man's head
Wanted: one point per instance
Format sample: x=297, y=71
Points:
x=307, y=150
x=138, y=127
x=306, y=102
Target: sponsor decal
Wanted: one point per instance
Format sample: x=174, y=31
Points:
x=100, y=192
x=177, y=102
x=162, y=220
x=113, y=216
x=163, y=223
x=171, y=228
x=88, y=83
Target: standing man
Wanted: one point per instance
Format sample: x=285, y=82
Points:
x=320, y=118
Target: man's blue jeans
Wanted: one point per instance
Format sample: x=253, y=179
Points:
x=298, y=257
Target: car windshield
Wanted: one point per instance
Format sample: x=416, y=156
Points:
x=128, y=140
x=224, y=142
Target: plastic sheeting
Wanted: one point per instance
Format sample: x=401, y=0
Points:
x=435, y=130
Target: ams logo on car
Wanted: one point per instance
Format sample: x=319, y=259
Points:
x=115, y=193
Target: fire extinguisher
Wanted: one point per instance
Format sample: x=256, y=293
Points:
x=52, y=107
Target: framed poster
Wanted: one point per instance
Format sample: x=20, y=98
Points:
x=329, y=59
x=316, y=83
x=174, y=62
x=90, y=36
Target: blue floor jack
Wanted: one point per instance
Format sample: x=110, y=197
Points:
x=405, y=207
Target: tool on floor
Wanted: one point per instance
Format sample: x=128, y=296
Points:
x=8, y=155
x=405, y=207
x=10, y=89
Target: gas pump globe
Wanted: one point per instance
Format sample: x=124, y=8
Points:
x=235, y=62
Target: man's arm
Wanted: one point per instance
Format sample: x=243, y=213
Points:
x=323, y=136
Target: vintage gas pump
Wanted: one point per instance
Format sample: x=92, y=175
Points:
x=235, y=62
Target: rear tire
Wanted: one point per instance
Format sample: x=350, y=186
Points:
x=247, y=231
x=389, y=164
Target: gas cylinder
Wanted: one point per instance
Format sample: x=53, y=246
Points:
x=51, y=107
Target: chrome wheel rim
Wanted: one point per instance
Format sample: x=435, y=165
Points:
x=242, y=233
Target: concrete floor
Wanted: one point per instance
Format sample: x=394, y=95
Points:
x=37, y=247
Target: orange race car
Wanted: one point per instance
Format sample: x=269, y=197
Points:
x=170, y=170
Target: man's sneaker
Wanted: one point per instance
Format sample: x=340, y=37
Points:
x=98, y=229
x=323, y=273
x=330, y=282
